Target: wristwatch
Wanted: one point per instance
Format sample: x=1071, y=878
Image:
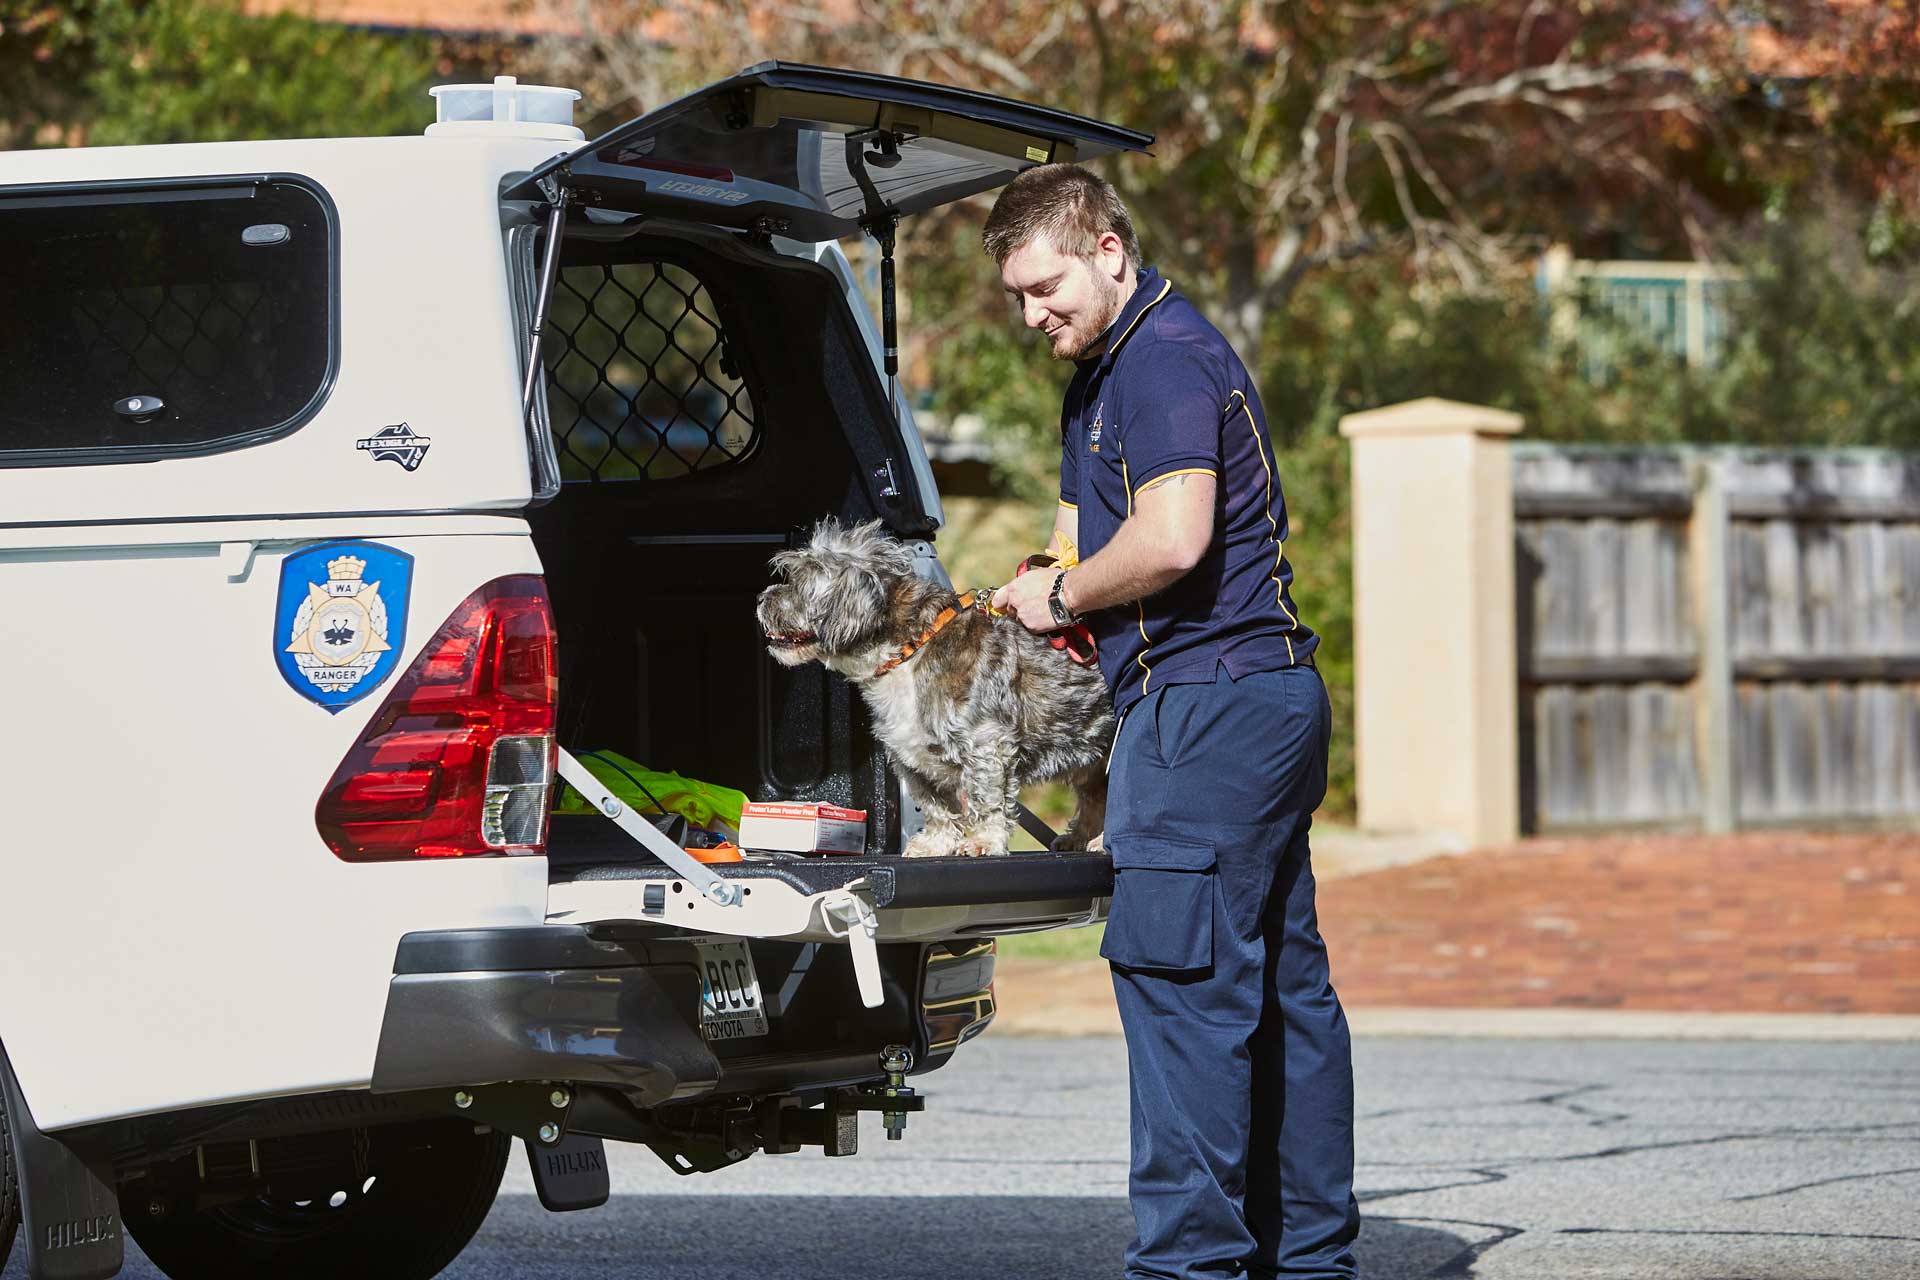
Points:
x=1062, y=616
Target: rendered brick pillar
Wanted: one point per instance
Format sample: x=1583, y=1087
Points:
x=1436, y=696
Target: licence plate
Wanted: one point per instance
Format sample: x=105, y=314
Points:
x=730, y=1003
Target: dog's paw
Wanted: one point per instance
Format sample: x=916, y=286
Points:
x=928, y=845
x=1074, y=842
x=979, y=847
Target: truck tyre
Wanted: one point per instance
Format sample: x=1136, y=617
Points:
x=428, y=1189
x=9, y=1188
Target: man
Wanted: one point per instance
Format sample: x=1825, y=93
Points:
x=1240, y=1063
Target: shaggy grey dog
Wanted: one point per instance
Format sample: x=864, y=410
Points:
x=980, y=710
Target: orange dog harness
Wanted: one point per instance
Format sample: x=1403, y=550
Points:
x=969, y=600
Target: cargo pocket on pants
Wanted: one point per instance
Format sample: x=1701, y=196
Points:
x=1162, y=914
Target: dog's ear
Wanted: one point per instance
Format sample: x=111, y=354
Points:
x=858, y=608
x=781, y=564
x=873, y=544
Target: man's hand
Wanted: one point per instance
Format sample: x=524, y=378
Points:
x=1026, y=599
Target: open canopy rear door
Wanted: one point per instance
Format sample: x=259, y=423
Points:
x=814, y=153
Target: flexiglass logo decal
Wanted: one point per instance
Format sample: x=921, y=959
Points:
x=341, y=619
x=396, y=443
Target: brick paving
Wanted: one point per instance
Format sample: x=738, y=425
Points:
x=1787, y=922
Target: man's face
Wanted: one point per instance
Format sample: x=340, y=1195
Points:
x=1071, y=300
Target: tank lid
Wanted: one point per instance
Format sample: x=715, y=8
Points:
x=505, y=107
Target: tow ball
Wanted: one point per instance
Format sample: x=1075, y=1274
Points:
x=895, y=1100
x=896, y=1060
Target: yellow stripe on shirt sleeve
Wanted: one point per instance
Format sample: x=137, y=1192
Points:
x=1184, y=471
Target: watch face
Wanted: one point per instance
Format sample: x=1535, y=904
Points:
x=1056, y=605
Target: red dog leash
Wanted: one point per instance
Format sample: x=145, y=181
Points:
x=1075, y=641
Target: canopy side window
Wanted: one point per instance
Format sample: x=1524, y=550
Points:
x=142, y=321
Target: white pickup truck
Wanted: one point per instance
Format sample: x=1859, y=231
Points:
x=346, y=487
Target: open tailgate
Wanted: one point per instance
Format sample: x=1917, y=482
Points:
x=807, y=899
x=862, y=902
x=616, y=867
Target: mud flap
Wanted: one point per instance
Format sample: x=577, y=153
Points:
x=571, y=1174
x=69, y=1213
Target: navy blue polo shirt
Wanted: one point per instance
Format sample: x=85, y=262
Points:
x=1169, y=396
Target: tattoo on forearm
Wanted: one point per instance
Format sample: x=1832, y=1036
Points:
x=1176, y=481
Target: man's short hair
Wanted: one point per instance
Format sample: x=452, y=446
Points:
x=1070, y=206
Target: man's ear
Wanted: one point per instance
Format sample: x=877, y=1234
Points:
x=1111, y=253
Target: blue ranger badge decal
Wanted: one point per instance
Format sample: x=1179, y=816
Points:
x=341, y=620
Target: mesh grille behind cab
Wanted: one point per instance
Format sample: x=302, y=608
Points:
x=459, y=760
x=640, y=384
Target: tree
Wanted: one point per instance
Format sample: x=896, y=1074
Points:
x=1833, y=109
x=45, y=53
x=1291, y=135
x=137, y=71
x=186, y=70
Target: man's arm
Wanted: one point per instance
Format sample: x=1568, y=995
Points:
x=1165, y=537
x=1066, y=530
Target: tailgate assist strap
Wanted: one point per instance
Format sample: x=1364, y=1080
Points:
x=844, y=913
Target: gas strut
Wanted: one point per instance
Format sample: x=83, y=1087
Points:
x=881, y=221
x=882, y=230
x=556, y=193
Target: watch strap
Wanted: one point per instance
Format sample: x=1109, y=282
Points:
x=1057, y=606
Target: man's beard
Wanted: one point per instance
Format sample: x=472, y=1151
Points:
x=1097, y=333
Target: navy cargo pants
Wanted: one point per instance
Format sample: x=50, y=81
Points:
x=1240, y=1063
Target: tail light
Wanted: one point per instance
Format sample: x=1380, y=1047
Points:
x=459, y=759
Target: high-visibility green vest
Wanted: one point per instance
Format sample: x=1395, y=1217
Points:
x=703, y=804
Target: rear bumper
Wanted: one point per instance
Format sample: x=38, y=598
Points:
x=618, y=1006
x=484, y=1006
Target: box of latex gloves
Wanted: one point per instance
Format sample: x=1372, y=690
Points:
x=791, y=827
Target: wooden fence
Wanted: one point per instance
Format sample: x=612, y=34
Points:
x=1712, y=638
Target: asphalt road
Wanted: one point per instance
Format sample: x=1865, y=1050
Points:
x=1495, y=1159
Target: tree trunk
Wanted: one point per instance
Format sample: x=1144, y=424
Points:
x=1243, y=310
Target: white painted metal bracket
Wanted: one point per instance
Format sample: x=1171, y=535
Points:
x=724, y=893
x=774, y=909
x=848, y=915
x=723, y=905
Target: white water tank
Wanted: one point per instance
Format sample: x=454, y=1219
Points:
x=505, y=107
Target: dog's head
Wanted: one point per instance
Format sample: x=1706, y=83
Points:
x=832, y=597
